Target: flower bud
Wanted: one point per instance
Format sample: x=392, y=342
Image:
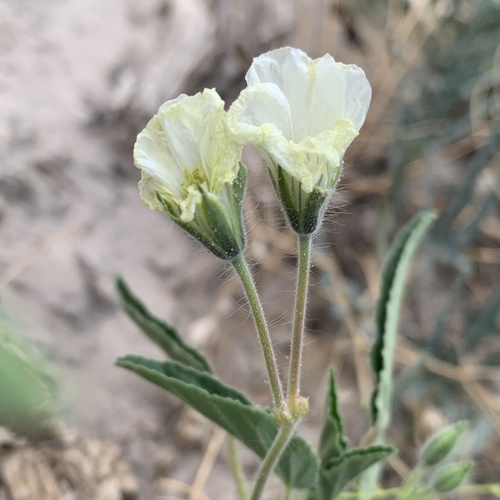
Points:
x=299, y=407
x=450, y=476
x=441, y=444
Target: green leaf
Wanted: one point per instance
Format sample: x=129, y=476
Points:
x=231, y=410
x=391, y=294
x=285, y=193
x=332, y=442
x=166, y=337
x=335, y=477
x=27, y=392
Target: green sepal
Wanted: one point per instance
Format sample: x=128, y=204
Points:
x=335, y=476
x=312, y=213
x=237, y=203
x=332, y=442
x=162, y=334
x=253, y=426
x=304, y=211
x=218, y=230
x=215, y=222
x=168, y=207
x=287, y=198
x=192, y=228
x=391, y=294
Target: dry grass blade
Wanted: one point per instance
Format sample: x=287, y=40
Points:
x=207, y=464
x=174, y=489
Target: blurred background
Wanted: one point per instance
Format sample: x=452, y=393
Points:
x=79, y=80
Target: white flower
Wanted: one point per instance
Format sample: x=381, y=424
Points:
x=302, y=115
x=191, y=169
x=184, y=146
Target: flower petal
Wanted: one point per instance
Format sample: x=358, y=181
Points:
x=315, y=161
x=290, y=70
x=187, y=143
x=148, y=187
x=328, y=98
x=260, y=109
x=358, y=94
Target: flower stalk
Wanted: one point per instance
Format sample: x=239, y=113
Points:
x=280, y=407
x=283, y=437
x=297, y=405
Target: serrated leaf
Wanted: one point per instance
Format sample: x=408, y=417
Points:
x=231, y=410
x=337, y=474
x=162, y=334
x=332, y=442
x=391, y=295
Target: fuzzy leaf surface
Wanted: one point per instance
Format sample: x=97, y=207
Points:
x=391, y=295
x=162, y=334
x=332, y=442
x=253, y=426
x=336, y=476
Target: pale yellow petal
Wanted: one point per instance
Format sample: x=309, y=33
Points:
x=188, y=204
x=186, y=144
x=148, y=189
x=302, y=114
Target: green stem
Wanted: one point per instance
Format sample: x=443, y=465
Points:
x=279, y=444
x=280, y=407
x=287, y=495
x=292, y=494
x=391, y=494
x=238, y=473
x=395, y=493
x=293, y=392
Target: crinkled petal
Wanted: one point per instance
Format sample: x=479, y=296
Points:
x=302, y=114
x=155, y=160
x=258, y=110
x=148, y=189
x=185, y=144
x=319, y=92
x=220, y=151
x=314, y=161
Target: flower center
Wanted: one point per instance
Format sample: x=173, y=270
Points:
x=193, y=179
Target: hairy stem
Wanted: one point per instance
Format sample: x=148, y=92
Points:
x=279, y=444
x=298, y=410
x=280, y=407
